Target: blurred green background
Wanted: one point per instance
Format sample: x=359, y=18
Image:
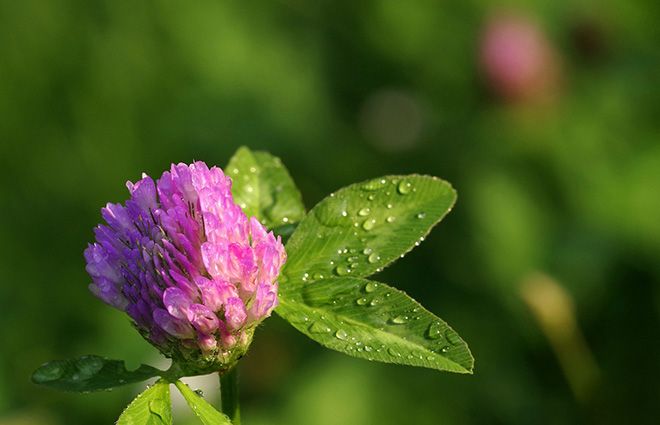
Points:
x=553, y=145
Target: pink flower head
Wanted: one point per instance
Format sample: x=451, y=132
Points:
x=194, y=273
x=518, y=60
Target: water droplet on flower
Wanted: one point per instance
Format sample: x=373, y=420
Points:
x=370, y=287
x=364, y=212
x=434, y=331
x=341, y=334
x=404, y=187
x=319, y=328
x=369, y=224
x=373, y=258
x=399, y=320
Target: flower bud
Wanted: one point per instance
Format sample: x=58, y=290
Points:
x=193, y=272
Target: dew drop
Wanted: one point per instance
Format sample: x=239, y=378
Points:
x=48, y=372
x=373, y=258
x=342, y=270
x=445, y=349
x=370, y=287
x=369, y=224
x=199, y=393
x=319, y=328
x=364, y=212
x=361, y=301
x=371, y=197
x=318, y=276
x=399, y=320
x=367, y=251
x=434, y=331
x=368, y=348
x=344, y=213
x=421, y=215
x=389, y=206
x=393, y=352
x=404, y=187
x=374, y=302
x=341, y=334
x=374, y=184
x=390, y=219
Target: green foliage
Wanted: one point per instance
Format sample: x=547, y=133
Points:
x=151, y=407
x=90, y=373
x=373, y=321
x=356, y=232
x=262, y=186
x=361, y=228
x=202, y=409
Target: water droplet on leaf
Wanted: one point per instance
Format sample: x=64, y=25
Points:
x=342, y=270
x=434, y=331
x=404, y=187
x=373, y=258
x=399, y=320
x=319, y=328
x=369, y=224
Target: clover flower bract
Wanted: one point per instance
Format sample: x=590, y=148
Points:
x=193, y=272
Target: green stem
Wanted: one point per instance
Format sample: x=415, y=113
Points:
x=229, y=395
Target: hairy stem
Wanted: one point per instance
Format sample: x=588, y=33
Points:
x=229, y=395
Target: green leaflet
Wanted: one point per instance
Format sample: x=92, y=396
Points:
x=262, y=186
x=363, y=227
x=202, y=409
x=151, y=407
x=373, y=321
x=90, y=373
x=354, y=233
